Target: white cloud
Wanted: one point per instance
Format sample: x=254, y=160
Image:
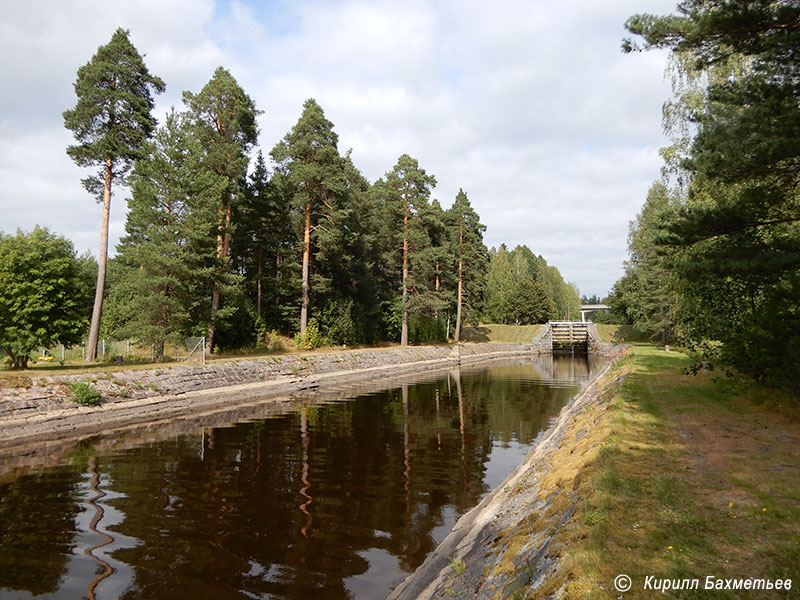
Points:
x=529, y=106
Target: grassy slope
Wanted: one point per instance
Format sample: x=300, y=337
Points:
x=693, y=478
x=619, y=332
x=500, y=333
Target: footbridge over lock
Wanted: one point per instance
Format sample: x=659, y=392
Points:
x=568, y=336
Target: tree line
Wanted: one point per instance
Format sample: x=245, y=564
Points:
x=715, y=251
x=234, y=247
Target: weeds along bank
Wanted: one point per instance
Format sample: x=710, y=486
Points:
x=45, y=407
x=650, y=474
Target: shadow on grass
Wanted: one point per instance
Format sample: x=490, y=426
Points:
x=475, y=334
x=684, y=487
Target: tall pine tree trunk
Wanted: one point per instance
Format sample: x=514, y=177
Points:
x=404, y=326
x=306, y=257
x=227, y=239
x=436, y=288
x=212, y=324
x=457, y=335
x=258, y=293
x=158, y=351
x=223, y=240
x=102, y=263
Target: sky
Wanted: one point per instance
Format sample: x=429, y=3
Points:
x=529, y=106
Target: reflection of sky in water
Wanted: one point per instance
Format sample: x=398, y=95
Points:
x=383, y=574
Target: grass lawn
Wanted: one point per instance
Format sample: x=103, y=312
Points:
x=519, y=334
x=695, y=477
x=619, y=332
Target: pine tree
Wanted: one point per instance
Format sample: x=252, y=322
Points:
x=167, y=257
x=734, y=243
x=432, y=264
x=530, y=303
x=467, y=232
x=259, y=219
x=111, y=122
x=648, y=287
x=223, y=119
x=309, y=158
x=346, y=289
x=406, y=191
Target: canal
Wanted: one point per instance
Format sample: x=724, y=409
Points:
x=340, y=496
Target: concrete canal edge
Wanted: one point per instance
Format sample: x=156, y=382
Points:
x=502, y=547
x=37, y=410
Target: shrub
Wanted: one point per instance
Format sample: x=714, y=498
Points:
x=426, y=330
x=268, y=339
x=312, y=338
x=84, y=393
x=338, y=322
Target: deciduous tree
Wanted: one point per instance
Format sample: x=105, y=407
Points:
x=42, y=294
x=500, y=282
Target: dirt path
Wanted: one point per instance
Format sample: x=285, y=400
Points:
x=741, y=460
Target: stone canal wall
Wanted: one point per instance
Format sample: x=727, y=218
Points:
x=40, y=408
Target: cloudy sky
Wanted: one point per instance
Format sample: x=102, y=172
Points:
x=528, y=105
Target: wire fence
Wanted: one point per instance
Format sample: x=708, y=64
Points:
x=188, y=350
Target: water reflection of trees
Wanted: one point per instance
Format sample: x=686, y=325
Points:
x=37, y=513
x=291, y=506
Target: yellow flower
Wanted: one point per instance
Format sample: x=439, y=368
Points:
x=669, y=547
x=730, y=504
x=763, y=510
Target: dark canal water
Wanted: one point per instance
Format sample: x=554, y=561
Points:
x=330, y=499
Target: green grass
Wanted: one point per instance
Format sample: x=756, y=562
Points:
x=84, y=393
x=695, y=476
x=519, y=334
x=619, y=332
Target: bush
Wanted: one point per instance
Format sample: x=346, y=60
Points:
x=84, y=393
x=338, y=323
x=426, y=330
x=312, y=338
